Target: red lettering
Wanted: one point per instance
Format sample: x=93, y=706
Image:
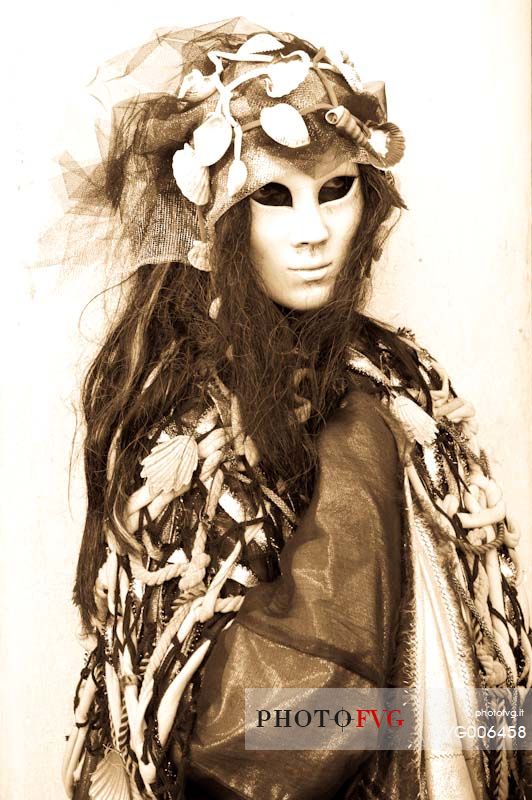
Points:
x=362, y=714
x=378, y=720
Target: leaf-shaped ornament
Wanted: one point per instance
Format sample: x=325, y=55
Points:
x=212, y=139
x=285, y=76
x=284, y=124
x=196, y=87
x=191, y=177
x=170, y=465
x=236, y=177
x=260, y=43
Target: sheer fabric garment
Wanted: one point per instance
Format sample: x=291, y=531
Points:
x=330, y=620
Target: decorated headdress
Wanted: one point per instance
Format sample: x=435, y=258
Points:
x=207, y=116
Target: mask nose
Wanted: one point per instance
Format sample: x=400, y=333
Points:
x=308, y=227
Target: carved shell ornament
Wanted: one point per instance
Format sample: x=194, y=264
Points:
x=284, y=124
x=199, y=255
x=285, y=76
x=196, y=87
x=212, y=139
x=110, y=780
x=191, y=177
x=237, y=177
x=170, y=465
x=384, y=143
x=260, y=43
x=276, y=74
x=417, y=424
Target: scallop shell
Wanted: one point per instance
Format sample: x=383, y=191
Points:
x=418, y=425
x=110, y=780
x=212, y=139
x=386, y=145
x=236, y=178
x=284, y=124
x=199, y=256
x=196, y=87
x=285, y=76
x=260, y=43
x=191, y=177
x=170, y=465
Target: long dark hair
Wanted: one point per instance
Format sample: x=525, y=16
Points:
x=165, y=349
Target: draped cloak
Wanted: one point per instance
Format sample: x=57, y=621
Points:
x=367, y=594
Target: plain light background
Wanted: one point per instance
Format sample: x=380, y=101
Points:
x=457, y=271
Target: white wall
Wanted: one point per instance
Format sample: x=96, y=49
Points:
x=457, y=272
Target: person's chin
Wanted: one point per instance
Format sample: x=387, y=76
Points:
x=312, y=298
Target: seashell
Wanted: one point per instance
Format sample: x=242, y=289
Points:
x=196, y=87
x=386, y=145
x=110, y=780
x=348, y=125
x=191, y=177
x=212, y=139
x=260, y=43
x=214, y=308
x=418, y=425
x=284, y=124
x=285, y=76
x=340, y=59
x=350, y=75
x=170, y=465
x=199, y=256
x=236, y=178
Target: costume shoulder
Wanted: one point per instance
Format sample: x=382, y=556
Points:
x=413, y=385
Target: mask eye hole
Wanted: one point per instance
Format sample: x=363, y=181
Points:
x=273, y=194
x=336, y=188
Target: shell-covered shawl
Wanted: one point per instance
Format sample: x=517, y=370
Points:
x=212, y=527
